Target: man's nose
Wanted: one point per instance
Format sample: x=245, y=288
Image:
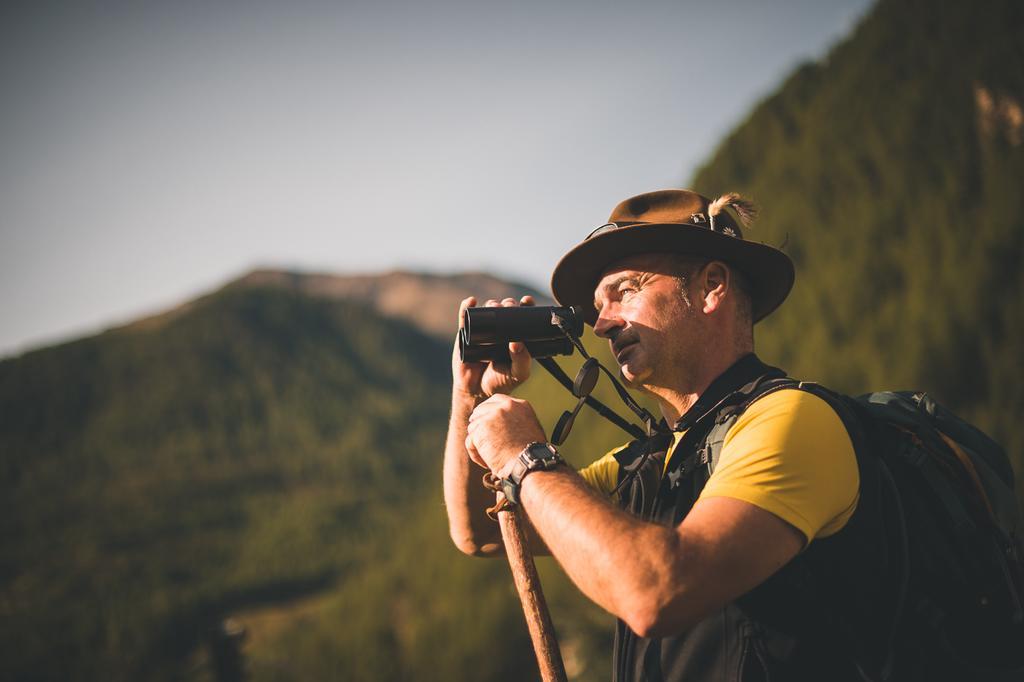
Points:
x=608, y=323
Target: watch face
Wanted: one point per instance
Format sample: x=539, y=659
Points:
x=535, y=457
x=543, y=454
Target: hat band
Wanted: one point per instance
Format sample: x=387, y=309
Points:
x=696, y=220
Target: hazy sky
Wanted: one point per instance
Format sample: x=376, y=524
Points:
x=151, y=151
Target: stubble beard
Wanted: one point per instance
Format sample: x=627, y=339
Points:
x=637, y=380
x=678, y=359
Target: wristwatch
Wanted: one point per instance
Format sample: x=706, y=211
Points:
x=534, y=457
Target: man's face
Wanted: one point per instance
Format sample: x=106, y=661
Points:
x=644, y=314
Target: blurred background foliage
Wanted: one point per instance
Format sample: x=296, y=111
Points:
x=250, y=486
x=892, y=171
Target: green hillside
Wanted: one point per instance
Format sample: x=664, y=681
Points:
x=892, y=170
x=262, y=455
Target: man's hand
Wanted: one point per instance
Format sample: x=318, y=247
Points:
x=478, y=380
x=466, y=500
x=499, y=429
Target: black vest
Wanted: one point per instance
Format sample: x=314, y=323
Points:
x=824, y=616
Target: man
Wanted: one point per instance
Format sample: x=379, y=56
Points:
x=688, y=562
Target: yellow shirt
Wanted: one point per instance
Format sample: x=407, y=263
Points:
x=788, y=454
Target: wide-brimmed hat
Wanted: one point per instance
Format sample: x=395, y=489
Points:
x=674, y=221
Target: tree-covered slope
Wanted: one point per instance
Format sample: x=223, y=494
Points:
x=268, y=456
x=261, y=448
x=892, y=171
x=153, y=480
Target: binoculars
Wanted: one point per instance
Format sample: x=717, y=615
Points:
x=486, y=332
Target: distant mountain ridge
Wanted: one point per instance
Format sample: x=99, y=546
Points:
x=429, y=301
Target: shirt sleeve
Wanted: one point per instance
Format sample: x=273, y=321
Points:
x=790, y=455
x=603, y=475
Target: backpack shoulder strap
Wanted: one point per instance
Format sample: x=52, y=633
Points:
x=739, y=401
x=640, y=465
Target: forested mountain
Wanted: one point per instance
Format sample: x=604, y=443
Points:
x=892, y=170
x=261, y=453
x=258, y=470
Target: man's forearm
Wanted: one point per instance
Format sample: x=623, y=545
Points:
x=622, y=563
x=466, y=500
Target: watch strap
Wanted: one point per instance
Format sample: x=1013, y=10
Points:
x=534, y=457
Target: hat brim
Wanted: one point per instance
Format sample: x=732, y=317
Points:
x=769, y=271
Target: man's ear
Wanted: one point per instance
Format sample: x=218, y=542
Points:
x=714, y=285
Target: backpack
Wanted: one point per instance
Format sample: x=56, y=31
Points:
x=960, y=534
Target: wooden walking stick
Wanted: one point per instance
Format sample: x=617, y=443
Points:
x=524, y=573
